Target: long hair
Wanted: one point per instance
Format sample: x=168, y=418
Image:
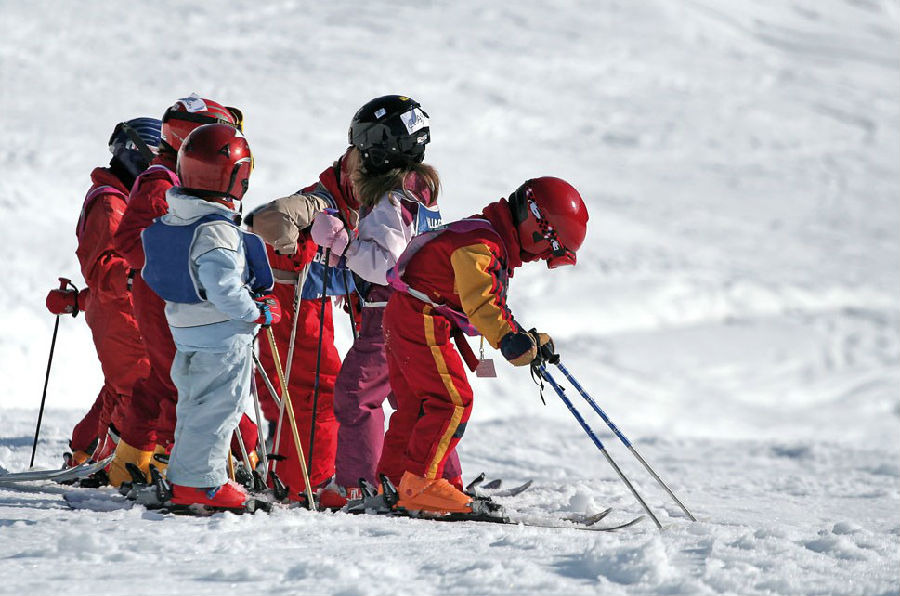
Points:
x=369, y=189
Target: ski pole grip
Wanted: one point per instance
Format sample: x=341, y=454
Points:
x=546, y=352
x=64, y=283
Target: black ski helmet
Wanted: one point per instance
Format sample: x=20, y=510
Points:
x=390, y=132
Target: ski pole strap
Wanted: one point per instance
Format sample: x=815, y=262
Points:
x=538, y=379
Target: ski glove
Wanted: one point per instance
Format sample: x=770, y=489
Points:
x=65, y=302
x=269, y=309
x=546, y=349
x=329, y=232
x=521, y=348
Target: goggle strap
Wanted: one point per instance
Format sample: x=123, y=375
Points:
x=192, y=117
x=139, y=143
x=547, y=232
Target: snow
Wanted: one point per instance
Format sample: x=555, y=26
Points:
x=734, y=310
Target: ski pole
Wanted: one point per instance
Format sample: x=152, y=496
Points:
x=298, y=293
x=63, y=283
x=350, y=306
x=245, y=457
x=276, y=445
x=312, y=427
x=263, y=450
x=286, y=400
x=230, y=464
x=621, y=436
x=265, y=376
x=298, y=288
x=584, y=425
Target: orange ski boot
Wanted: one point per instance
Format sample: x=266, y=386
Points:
x=417, y=493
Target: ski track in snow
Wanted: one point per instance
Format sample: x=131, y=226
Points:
x=735, y=306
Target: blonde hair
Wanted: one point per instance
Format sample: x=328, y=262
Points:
x=369, y=189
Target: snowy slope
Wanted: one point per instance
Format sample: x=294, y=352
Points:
x=735, y=307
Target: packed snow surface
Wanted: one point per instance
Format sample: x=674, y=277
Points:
x=735, y=308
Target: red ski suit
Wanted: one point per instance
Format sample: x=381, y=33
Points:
x=150, y=420
x=151, y=417
x=302, y=378
x=468, y=272
x=303, y=368
x=108, y=307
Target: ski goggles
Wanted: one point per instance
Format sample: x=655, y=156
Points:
x=560, y=256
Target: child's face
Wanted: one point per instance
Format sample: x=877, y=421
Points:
x=351, y=166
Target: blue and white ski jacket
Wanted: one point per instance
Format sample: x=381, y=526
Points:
x=213, y=310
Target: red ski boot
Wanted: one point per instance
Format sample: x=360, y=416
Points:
x=335, y=496
x=230, y=495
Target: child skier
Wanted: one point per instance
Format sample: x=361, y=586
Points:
x=107, y=301
x=148, y=423
x=298, y=265
x=285, y=225
x=398, y=194
x=456, y=279
x=208, y=272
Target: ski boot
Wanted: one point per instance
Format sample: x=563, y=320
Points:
x=431, y=496
x=230, y=495
x=125, y=454
x=334, y=496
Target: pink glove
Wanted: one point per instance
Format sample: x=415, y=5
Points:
x=329, y=232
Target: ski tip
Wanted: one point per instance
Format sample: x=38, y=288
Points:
x=493, y=484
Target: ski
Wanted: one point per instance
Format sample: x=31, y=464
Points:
x=588, y=520
x=479, y=488
x=95, y=499
x=507, y=492
x=566, y=522
x=483, y=510
x=554, y=523
x=585, y=523
x=251, y=506
x=60, y=476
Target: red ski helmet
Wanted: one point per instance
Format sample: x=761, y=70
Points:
x=551, y=219
x=190, y=112
x=214, y=161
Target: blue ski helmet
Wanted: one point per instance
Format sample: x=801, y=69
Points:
x=134, y=143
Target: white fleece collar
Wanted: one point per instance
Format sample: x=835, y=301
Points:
x=185, y=208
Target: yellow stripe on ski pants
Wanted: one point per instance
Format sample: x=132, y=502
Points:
x=458, y=410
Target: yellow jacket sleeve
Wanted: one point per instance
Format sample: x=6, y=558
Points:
x=481, y=284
